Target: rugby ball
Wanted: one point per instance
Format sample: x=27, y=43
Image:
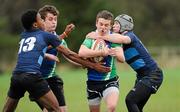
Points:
x=98, y=44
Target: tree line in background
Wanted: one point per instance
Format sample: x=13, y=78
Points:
x=156, y=22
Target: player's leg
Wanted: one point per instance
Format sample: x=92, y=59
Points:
x=137, y=97
x=39, y=104
x=154, y=80
x=94, y=104
x=39, y=89
x=144, y=101
x=49, y=101
x=111, y=96
x=94, y=96
x=16, y=91
x=10, y=105
x=56, y=85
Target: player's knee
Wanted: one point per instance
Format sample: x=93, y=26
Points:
x=63, y=109
x=56, y=108
x=53, y=108
x=111, y=107
x=48, y=109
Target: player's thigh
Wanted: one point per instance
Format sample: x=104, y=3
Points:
x=55, y=81
x=111, y=92
x=139, y=93
x=93, y=95
x=111, y=96
x=56, y=85
x=37, y=87
x=17, y=86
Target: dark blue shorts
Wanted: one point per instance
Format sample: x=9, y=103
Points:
x=153, y=79
x=56, y=85
x=33, y=83
x=95, y=88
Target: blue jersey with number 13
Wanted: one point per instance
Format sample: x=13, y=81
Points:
x=33, y=45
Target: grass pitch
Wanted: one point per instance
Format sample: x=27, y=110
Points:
x=167, y=98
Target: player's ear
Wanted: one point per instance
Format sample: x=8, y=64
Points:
x=35, y=25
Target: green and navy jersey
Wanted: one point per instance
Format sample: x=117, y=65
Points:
x=137, y=56
x=33, y=46
x=109, y=61
x=48, y=66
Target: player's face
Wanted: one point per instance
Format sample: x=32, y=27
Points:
x=116, y=27
x=50, y=22
x=40, y=22
x=103, y=26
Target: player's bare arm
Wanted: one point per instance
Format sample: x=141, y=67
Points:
x=70, y=61
x=119, y=53
x=85, y=52
x=115, y=38
x=84, y=62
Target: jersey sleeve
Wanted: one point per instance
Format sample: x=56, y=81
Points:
x=113, y=45
x=64, y=43
x=52, y=39
x=131, y=35
x=88, y=42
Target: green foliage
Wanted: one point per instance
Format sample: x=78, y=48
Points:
x=9, y=41
x=3, y=22
x=156, y=23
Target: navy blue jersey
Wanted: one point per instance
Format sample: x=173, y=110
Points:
x=48, y=66
x=137, y=56
x=33, y=46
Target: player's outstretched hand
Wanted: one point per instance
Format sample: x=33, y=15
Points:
x=69, y=28
x=67, y=31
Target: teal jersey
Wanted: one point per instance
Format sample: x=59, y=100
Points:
x=109, y=61
x=64, y=43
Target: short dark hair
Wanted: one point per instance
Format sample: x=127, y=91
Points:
x=48, y=9
x=106, y=15
x=28, y=18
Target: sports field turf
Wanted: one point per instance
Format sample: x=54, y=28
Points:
x=167, y=98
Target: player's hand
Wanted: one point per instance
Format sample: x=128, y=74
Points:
x=51, y=57
x=112, y=52
x=92, y=35
x=107, y=51
x=69, y=28
x=49, y=47
x=95, y=35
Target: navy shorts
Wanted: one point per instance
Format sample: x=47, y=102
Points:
x=56, y=85
x=152, y=79
x=33, y=83
x=95, y=88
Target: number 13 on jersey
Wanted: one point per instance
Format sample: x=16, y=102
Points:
x=27, y=44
